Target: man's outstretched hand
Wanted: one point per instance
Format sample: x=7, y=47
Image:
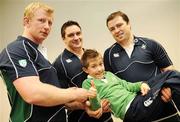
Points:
x=166, y=94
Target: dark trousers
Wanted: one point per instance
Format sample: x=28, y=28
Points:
x=151, y=107
x=82, y=116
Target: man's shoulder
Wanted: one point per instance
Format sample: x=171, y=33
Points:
x=57, y=61
x=145, y=40
x=61, y=56
x=15, y=43
x=22, y=44
x=18, y=47
x=110, y=48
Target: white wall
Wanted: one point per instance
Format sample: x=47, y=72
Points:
x=157, y=19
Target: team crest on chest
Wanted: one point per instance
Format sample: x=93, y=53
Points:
x=23, y=62
x=68, y=60
x=143, y=46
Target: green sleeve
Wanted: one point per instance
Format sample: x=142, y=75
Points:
x=132, y=87
x=86, y=84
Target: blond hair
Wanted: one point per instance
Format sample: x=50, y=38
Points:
x=31, y=8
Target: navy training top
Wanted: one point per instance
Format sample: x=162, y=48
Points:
x=145, y=62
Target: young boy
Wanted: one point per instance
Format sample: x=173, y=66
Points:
x=126, y=101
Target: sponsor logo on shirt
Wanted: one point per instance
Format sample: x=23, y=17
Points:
x=116, y=54
x=148, y=102
x=68, y=60
x=23, y=62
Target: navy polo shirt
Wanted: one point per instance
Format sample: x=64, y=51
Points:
x=21, y=58
x=69, y=70
x=145, y=62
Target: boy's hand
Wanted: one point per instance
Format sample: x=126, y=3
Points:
x=93, y=89
x=93, y=113
x=96, y=114
x=144, y=88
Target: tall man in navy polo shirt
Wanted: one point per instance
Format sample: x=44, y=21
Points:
x=31, y=80
x=134, y=58
x=70, y=74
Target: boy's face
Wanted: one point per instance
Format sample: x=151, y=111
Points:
x=95, y=68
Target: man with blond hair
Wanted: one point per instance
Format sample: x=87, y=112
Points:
x=31, y=80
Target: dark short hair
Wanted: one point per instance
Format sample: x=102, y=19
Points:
x=115, y=14
x=88, y=54
x=67, y=24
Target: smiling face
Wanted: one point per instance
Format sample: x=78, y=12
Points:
x=38, y=26
x=73, y=37
x=95, y=67
x=120, y=29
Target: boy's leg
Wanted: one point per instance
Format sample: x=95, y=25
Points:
x=144, y=109
x=172, y=111
x=175, y=117
x=151, y=107
x=172, y=80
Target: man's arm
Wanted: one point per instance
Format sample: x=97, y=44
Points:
x=33, y=91
x=75, y=105
x=171, y=67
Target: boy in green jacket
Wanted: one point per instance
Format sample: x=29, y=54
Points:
x=126, y=102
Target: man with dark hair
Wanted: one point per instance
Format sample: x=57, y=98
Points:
x=70, y=74
x=134, y=58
